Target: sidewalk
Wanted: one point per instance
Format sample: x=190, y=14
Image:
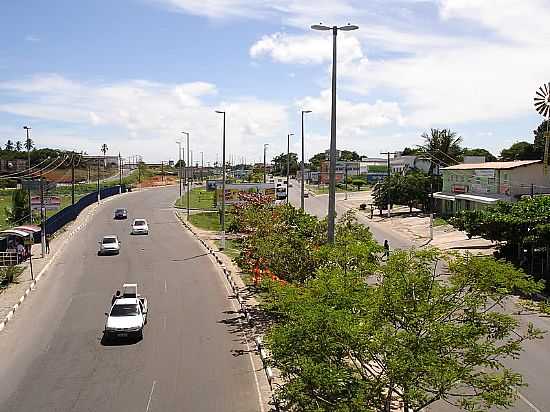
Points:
x=416, y=228
x=16, y=293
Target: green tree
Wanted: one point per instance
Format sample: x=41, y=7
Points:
x=280, y=164
x=407, y=151
x=358, y=182
x=519, y=151
x=479, y=152
x=9, y=145
x=354, y=339
x=19, y=210
x=442, y=146
x=18, y=146
x=539, y=142
x=349, y=155
x=315, y=161
x=29, y=144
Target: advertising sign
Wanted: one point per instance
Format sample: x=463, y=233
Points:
x=50, y=202
x=459, y=189
x=485, y=172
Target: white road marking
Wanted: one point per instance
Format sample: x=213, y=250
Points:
x=150, y=396
x=165, y=286
x=524, y=399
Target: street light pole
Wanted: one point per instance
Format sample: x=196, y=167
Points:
x=27, y=128
x=223, y=183
x=186, y=178
x=288, y=166
x=265, y=149
x=202, y=164
x=179, y=155
x=303, y=163
x=332, y=167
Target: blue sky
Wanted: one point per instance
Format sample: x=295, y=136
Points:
x=134, y=73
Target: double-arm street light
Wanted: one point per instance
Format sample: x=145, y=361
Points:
x=222, y=242
x=187, y=180
x=288, y=166
x=332, y=167
x=302, y=167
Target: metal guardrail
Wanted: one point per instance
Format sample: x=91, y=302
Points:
x=9, y=259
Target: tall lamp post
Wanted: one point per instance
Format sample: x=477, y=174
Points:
x=288, y=166
x=265, y=149
x=332, y=167
x=27, y=128
x=302, y=166
x=179, y=155
x=223, y=182
x=186, y=178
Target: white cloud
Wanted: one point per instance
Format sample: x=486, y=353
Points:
x=354, y=119
x=31, y=38
x=310, y=48
x=144, y=117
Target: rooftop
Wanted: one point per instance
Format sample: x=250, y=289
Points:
x=492, y=165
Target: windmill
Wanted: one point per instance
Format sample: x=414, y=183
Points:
x=542, y=105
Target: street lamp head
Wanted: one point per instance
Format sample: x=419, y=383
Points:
x=348, y=27
x=220, y=112
x=26, y=128
x=306, y=111
x=321, y=27
x=291, y=134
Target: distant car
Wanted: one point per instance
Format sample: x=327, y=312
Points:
x=140, y=227
x=306, y=194
x=109, y=245
x=121, y=214
x=128, y=315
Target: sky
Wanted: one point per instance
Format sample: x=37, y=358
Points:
x=134, y=74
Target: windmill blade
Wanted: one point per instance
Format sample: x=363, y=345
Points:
x=541, y=109
x=540, y=93
x=543, y=103
x=539, y=99
x=545, y=89
x=545, y=111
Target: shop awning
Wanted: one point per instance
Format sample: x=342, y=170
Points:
x=29, y=228
x=480, y=199
x=15, y=232
x=444, y=196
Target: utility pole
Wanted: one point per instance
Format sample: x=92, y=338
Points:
x=202, y=164
x=192, y=168
x=179, y=163
x=303, y=163
x=162, y=169
x=265, y=149
x=42, y=218
x=288, y=166
x=388, y=177
x=223, y=184
x=72, y=181
x=186, y=177
x=27, y=128
x=346, y=169
x=98, y=184
x=119, y=174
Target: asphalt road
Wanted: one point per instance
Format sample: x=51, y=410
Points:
x=192, y=357
x=534, y=363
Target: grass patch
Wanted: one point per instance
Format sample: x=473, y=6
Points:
x=199, y=198
x=439, y=221
x=209, y=220
x=232, y=247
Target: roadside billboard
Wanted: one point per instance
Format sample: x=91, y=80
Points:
x=233, y=190
x=50, y=202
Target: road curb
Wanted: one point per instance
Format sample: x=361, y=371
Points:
x=34, y=283
x=260, y=350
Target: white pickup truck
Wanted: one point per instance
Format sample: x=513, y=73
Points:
x=128, y=314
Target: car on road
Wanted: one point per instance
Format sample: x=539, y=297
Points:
x=109, y=245
x=128, y=315
x=306, y=194
x=140, y=227
x=121, y=213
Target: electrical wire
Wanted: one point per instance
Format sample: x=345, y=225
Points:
x=15, y=174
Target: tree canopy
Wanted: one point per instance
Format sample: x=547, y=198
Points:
x=442, y=146
x=519, y=151
x=280, y=164
x=538, y=144
x=479, y=152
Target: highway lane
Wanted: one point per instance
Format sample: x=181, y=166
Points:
x=534, y=363
x=192, y=357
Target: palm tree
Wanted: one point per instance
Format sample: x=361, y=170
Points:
x=9, y=145
x=442, y=147
x=29, y=144
x=18, y=146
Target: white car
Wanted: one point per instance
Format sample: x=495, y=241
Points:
x=128, y=315
x=109, y=245
x=140, y=227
